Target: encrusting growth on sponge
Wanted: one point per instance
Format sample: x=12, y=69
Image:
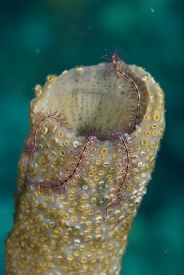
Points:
x=95, y=133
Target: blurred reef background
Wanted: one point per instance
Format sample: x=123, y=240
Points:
x=48, y=36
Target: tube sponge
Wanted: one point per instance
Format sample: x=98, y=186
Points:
x=95, y=133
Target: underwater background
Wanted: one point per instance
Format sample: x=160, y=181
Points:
x=48, y=36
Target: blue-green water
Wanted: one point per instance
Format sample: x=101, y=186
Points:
x=48, y=36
